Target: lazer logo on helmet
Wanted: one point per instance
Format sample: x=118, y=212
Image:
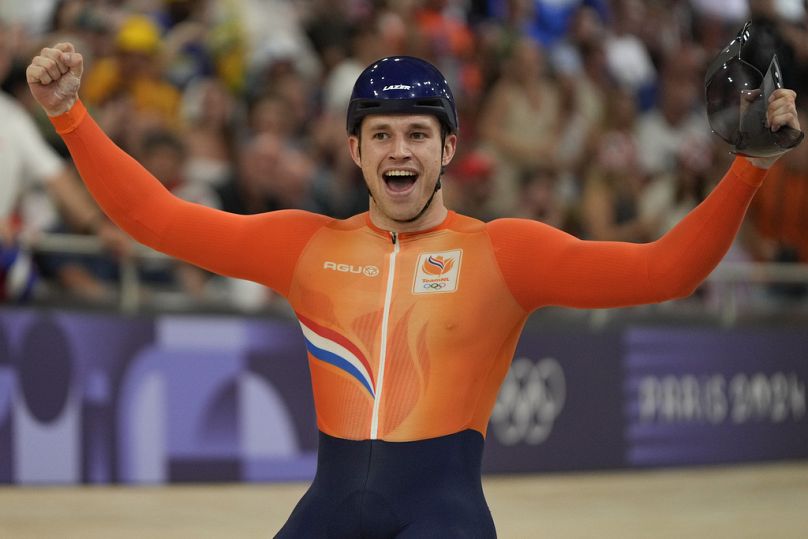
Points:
x=368, y=271
x=396, y=87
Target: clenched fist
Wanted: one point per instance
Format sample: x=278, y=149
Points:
x=54, y=77
x=781, y=111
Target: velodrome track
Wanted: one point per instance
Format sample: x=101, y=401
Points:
x=749, y=501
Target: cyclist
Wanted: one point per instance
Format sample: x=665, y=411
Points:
x=410, y=312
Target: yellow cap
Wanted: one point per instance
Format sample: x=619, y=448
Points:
x=138, y=34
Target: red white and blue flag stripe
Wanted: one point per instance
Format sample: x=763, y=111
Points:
x=332, y=348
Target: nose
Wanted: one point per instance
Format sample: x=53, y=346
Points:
x=401, y=149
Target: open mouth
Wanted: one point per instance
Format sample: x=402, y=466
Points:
x=400, y=181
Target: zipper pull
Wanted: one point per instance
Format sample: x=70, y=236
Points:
x=394, y=237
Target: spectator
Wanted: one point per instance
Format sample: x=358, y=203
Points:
x=542, y=199
x=668, y=197
x=271, y=175
x=346, y=192
x=202, y=62
x=468, y=184
x=626, y=55
x=270, y=112
x=137, y=54
x=364, y=47
x=661, y=131
x=729, y=11
x=187, y=50
x=520, y=121
x=594, y=82
x=780, y=28
x=614, y=182
x=210, y=117
x=500, y=34
x=330, y=36
x=38, y=189
x=715, y=22
x=164, y=154
x=779, y=215
x=447, y=39
x=550, y=19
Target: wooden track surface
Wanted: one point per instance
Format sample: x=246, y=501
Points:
x=760, y=501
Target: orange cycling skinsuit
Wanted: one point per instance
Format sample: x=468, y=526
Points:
x=408, y=335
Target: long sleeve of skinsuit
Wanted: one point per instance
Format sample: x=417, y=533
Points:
x=432, y=318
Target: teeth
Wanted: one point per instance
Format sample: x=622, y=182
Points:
x=399, y=173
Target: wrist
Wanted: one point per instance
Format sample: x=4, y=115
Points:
x=763, y=163
x=70, y=119
x=64, y=108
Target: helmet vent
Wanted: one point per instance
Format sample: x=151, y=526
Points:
x=428, y=103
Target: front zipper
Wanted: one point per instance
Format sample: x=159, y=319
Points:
x=388, y=300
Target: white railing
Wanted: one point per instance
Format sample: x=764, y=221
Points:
x=76, y=244
x=729, y=283
x=733, y=280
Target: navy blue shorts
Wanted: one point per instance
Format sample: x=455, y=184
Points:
x=373, y=489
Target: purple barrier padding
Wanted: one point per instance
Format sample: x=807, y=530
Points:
x=100, y=398
x=7, y=384
x=202, y=403
x=65, y=371
x=560, y=406
x=278, y=355
x=696, y=396
x=8, y=381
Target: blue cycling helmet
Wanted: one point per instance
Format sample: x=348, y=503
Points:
x=737, y=95
x=402, y=84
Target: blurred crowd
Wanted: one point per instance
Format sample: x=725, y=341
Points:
x=585, y=114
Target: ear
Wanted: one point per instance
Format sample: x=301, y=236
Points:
x=353, y=147
x=449, y=148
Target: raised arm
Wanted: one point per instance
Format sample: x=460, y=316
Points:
x=544, y=266
x=262, y=248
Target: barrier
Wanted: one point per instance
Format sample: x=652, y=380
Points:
x=111, y=398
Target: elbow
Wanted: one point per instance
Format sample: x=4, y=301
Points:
x=679, y=290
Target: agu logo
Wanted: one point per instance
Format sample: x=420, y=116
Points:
x=367, y=271
x=437, y=272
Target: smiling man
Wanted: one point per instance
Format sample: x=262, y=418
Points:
x=410, y=312
x=409, y=137
x=402, y=165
